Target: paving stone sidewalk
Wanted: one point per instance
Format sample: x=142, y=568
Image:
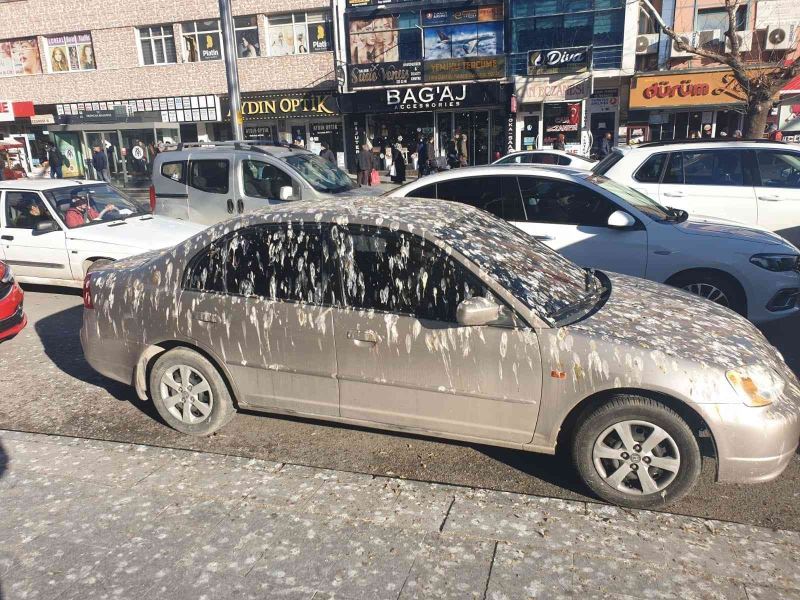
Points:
x=86, y=519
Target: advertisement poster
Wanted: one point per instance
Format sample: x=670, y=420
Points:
x=456, y=69
x=70, y=53
x=20, y=57
x=246, y=33
x=396, y=73
x=374, y=40
x=320, y=37
x=281, y=40
x=69, y=146
x=562, y=117
x=469, y=39
x=210, y=46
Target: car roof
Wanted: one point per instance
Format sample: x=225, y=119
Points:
x=256, y=146
x=545, y=151
x=705, y=145
x=560, y=171
x=40, y=185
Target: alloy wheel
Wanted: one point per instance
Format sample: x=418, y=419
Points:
x=636, y=457
x=709, y=292
x=186, y=394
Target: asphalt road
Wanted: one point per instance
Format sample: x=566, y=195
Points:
x=46, y=386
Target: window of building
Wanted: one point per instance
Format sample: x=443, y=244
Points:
x=564, y=202
x=246, y=32
x=202, y=40
x=388, y=38
x=157, y=44
x=299, y=33
x=20, y=57
x=717, y=18
x=70, y=52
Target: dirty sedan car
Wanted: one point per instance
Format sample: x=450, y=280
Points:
x=438, y=318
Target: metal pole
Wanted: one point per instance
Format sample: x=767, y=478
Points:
x=231, y=70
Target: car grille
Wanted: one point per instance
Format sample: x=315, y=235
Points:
x=13, y=320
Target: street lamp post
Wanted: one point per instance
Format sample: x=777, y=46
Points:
x=231, y=69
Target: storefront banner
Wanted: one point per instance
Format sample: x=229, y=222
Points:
x=444, y=16
x=424, y=98
x=468, y=39
x=259, y=107
x=173, y=109
x=6, y=112
x=42, y=120
x=456, y=69
x=710, y=88
x=20, y=57
x=604, y=100
x=559, y=59
x=357, y=3
x=562, y=117
x=374, y=40
x=397, y=73
x=553, y=88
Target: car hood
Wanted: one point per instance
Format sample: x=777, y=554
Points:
x=670, y=322
x=703, y=225
x=149, y=232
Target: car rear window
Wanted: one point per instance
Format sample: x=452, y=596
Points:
x=609, y=161
x=174, y=171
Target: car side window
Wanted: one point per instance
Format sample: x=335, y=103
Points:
x=544, y=158
x=563, y=160
x=713, y=167
x=496, y=194
x=176, y=171
x=779, y=169
x=397, y=272
x=428, y=191
x=289, y=262
x=674, y=172
x=26, y=210
x=650, y=171
x=209, y=175
x=564, y=202
x=262, y=180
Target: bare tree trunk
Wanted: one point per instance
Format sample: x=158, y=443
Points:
x=755, y=118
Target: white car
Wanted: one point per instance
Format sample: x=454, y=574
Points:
x=597, y=222
x=546, y=157
x=52, y=230
x=752, y=182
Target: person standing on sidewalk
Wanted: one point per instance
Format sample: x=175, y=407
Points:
x=364, y=165
x=100, y=164
x=605, y=146
x=559, y=144
x=327, y=153
x=55, y=161
x=398, y=165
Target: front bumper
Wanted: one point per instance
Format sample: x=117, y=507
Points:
x=12, y=317
x=767, y=295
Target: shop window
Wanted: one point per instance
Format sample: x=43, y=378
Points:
x=246, y=33
x=564, y=202
x=299, y=33
x=70, y=52
x=650, y=171
x=209, y=176
x=202, y=40
x=498, y=195
x=388, y=38
x=779, y=169
x=157, y=45
x=562, y=117
x=20, y=57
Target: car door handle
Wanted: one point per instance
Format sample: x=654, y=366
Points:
x=240, y=205
x=770, y=198
x=206, y=317
x=230, y=206
x=362, y=338
x=7, y=237
x=674, y=194
x=544, y=238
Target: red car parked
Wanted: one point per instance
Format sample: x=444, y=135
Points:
x=12, y=319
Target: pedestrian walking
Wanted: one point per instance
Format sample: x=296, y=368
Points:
x=461, y=147
x=430, y=151
x=55, y=160
x=100, y=163
x=560, y=142
x=606, y=145
x=422, y=157
x=327, y=153
x=364, y=165
x=398, y=165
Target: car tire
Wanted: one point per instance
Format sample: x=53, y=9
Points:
x=708, y=285
x=175, y=379
x=611, y=466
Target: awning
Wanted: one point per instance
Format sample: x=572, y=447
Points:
x=793, y=87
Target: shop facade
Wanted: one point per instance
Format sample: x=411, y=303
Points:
x=22, y=142
x=405, y=114
x=684, y=105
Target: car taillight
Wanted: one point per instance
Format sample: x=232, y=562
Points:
x=87, y=291
x=153, y=199
x=5, y=273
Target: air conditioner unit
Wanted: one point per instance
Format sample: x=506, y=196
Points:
x=647, y=43
x=688, y=38
x=781, y=37
x=745, y=41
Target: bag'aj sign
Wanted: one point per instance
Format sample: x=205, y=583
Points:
x=257, y=107
x=560, y=59
x=427, y=97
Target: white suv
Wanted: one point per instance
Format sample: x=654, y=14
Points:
x=751, y=182
x=597, y=222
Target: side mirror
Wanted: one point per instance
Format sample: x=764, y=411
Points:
x=477, y=311
x=285, y=192
x=619, y=219
x=46, y=227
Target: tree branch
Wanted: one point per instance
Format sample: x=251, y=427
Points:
x=732, y=6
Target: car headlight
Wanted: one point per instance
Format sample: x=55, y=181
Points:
x=756, y=385
x=776, y=262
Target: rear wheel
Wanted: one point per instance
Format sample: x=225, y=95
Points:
x=636, y=452
x=714, y=287
x=189, y=393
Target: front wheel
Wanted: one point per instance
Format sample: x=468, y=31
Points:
x=712, y=287
x=636, y=452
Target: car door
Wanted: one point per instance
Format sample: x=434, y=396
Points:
x=259, y=183
x=30, y=251
x=404, y=361
x=210, y=188
x=713, y=183
x=172, y=193
x=778, y=192
x=260, y=299
x=572, y=219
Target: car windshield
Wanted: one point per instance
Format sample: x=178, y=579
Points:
x=540, y=278
x=633, y=197
x=320, y=174
x=81, y=205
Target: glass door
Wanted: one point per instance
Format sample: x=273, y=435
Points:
x=138, y=150
x=472, y=136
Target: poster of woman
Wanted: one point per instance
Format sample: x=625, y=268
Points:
x=20, y=57
x=58, y=59
x=86, y=54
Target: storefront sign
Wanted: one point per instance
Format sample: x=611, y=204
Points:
x=325, y=127
x=424, y=98
x=559, y=59
x=257, y=107
x=171, y=109
x=456, y=69
x=42, y=120
x=604, y=100
x=6, y=113
x=395, y=73
x=511, y=132
x=562, y=117
x=685, y=89
x=553, y=88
